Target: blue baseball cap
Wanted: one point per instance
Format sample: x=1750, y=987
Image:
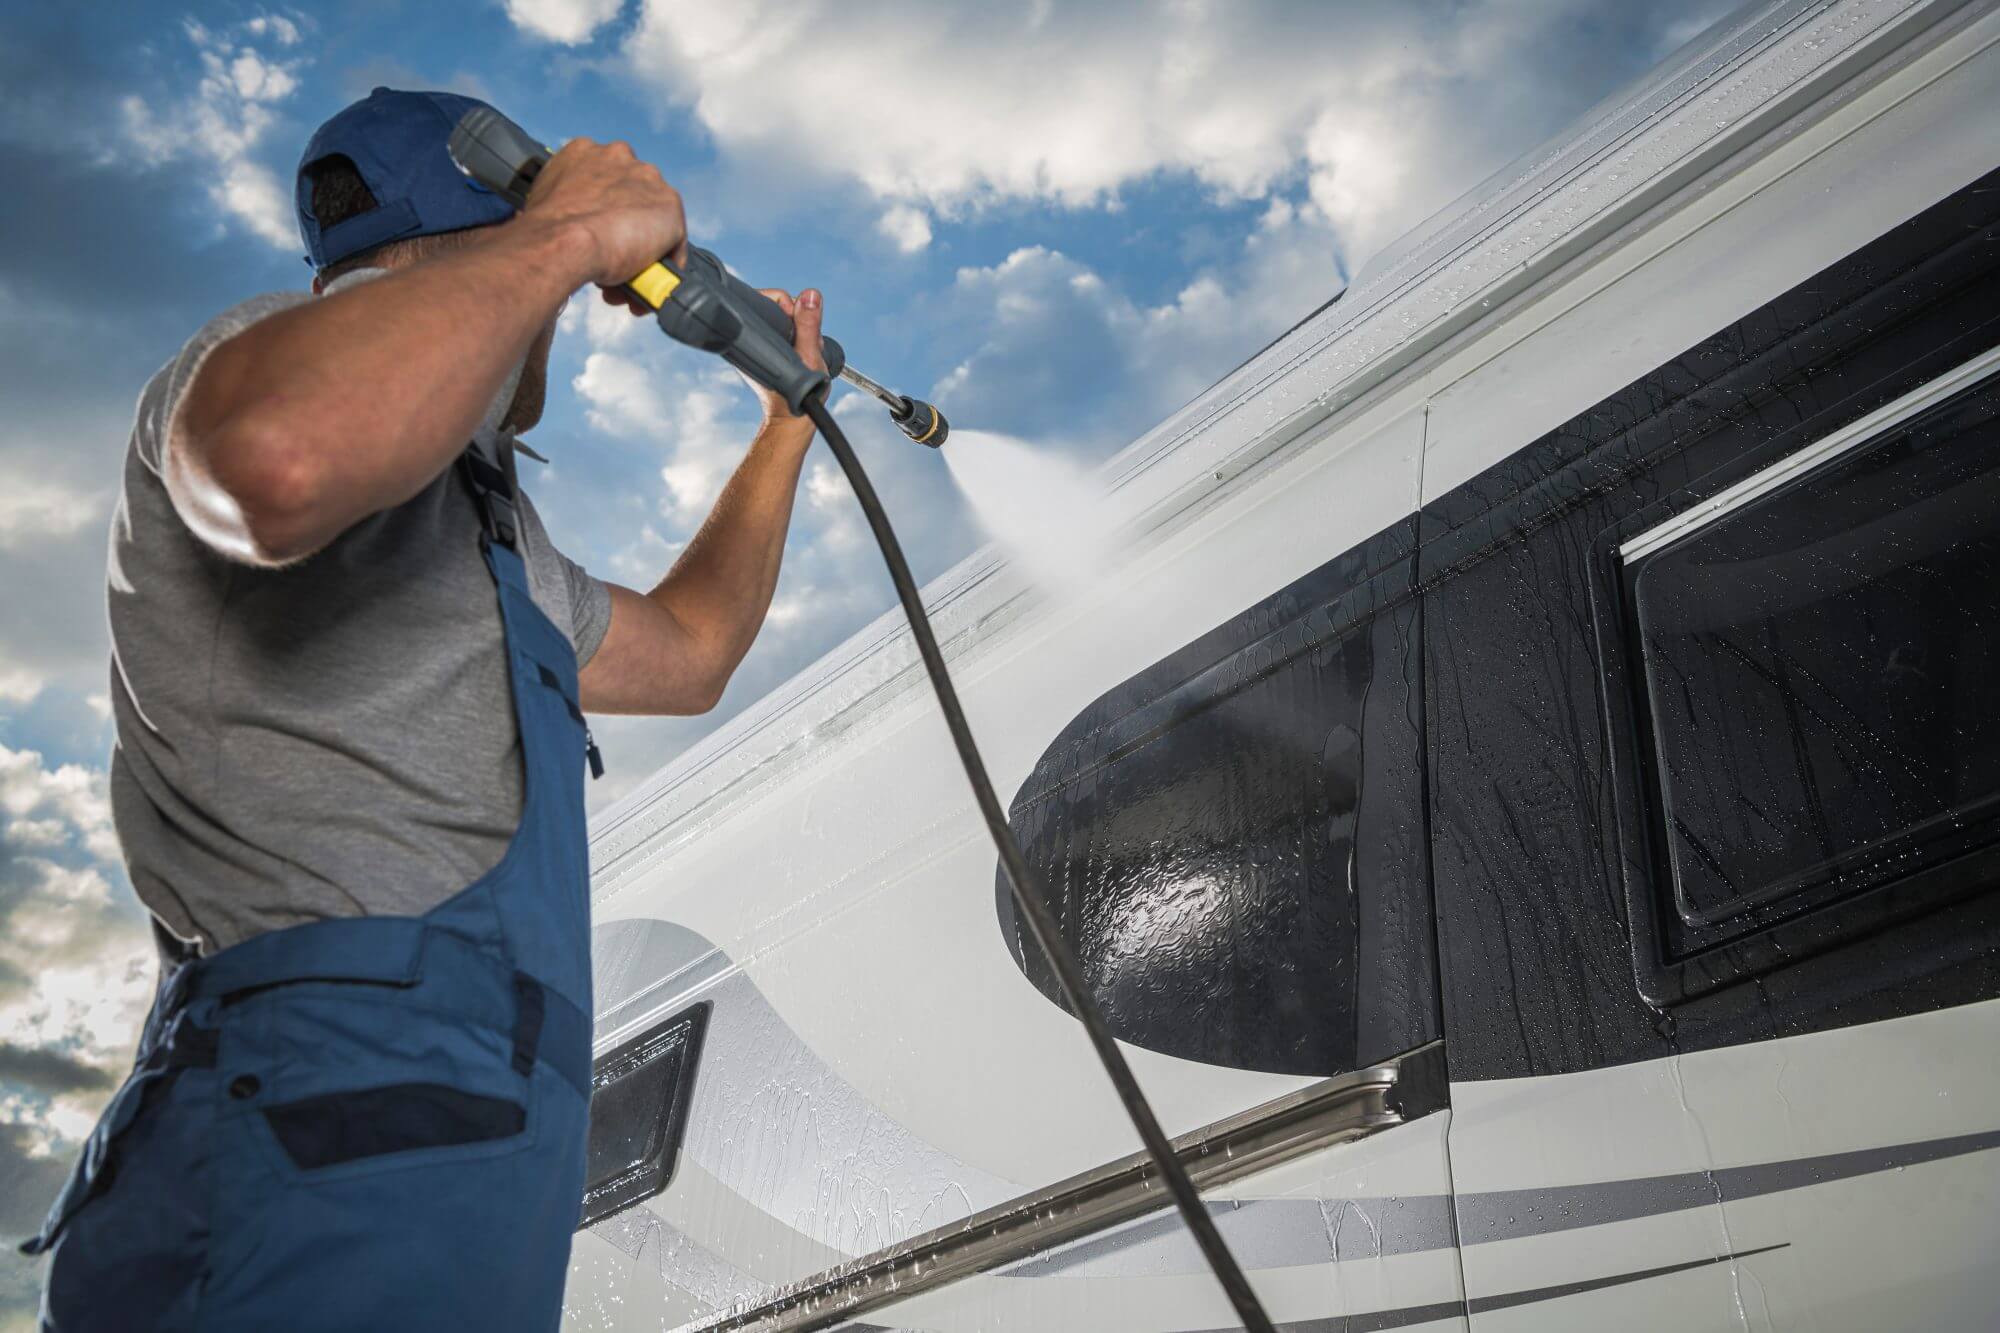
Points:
x=396, y=140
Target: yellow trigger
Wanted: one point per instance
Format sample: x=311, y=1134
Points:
x=655, y=285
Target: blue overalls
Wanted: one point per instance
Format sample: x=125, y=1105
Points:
x=374, y=1123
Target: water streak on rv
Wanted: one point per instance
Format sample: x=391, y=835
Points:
x=1047, y=512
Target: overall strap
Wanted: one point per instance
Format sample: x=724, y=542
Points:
x=487, y=468
x=538, y=893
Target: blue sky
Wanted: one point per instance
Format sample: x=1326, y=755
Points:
x=1062, y=219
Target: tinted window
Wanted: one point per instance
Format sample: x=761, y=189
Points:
x=1232, y=839
x=638, y=1112
x=1818, y=672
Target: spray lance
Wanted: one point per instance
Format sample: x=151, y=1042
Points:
x=701, y=303
x=705, y=306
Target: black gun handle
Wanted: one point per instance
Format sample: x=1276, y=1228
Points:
x=710, y=268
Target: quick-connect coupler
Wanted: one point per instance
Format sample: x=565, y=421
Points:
x=921, y=422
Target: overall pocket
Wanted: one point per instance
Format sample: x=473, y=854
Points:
x=337, y=1127
x=345, y=1081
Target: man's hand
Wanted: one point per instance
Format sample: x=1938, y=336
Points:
x=805, y=314
x=624, y=207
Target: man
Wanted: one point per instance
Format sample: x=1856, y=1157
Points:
x=349, y=676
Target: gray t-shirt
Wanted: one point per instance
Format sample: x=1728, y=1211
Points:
x=331, y=739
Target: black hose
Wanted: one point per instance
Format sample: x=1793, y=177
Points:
x=1033, y=905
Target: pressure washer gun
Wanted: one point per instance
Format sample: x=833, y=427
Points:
x=702, y=303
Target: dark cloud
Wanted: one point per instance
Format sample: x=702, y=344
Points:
x=28, y=1184
x=58, y=75
x=49, y=1071
x=133, y=247
x=20, y=1288
x=90, y=222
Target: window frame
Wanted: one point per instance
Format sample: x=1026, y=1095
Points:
x=1764, y=936
x=1363, y=591
x=654, y=1176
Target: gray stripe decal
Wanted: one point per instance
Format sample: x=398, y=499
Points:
x=1508, y=1300
x=1379, y=1320
x=1506, y=1214
x=1285, y=1233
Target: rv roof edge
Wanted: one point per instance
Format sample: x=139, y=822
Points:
x=1336, y=1110
x=1732, y=92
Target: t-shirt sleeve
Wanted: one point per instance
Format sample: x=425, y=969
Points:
x=163, y=392
x=590, y=604
x=588, y=596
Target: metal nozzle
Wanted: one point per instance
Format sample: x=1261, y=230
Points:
x=921, y=422
x=913, y=416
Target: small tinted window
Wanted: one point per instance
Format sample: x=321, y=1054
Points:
x=638, y=1112
x=1818, y=671
x=1232, y=839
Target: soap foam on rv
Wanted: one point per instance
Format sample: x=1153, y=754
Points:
x=1047, y=512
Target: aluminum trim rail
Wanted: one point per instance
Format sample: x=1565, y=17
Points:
x=1337, y=1110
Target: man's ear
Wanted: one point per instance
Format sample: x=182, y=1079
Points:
x=319, y=284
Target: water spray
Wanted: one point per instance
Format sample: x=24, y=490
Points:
x=705, y=306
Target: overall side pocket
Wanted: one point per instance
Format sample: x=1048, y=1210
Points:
x=356, y=1081
x=337, y=1127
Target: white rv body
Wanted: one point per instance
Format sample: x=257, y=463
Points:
x=877, y=1065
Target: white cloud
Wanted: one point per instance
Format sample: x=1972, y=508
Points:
x=568, y=22
x=37, y=509
x=608, y=325
x=1051, y=350
x=70, y=794
x=696, y=422
x=697, y=415
x=620, y=396
x=20, y=684
x=645, y=560
x=825, y=487
x=275, y=26
x=907, y=227
x=790, y=608
x=225, y=120
x=1385, y=111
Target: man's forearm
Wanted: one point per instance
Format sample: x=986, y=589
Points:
x=348, y=405
x=672, y=650
x=721, y=586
